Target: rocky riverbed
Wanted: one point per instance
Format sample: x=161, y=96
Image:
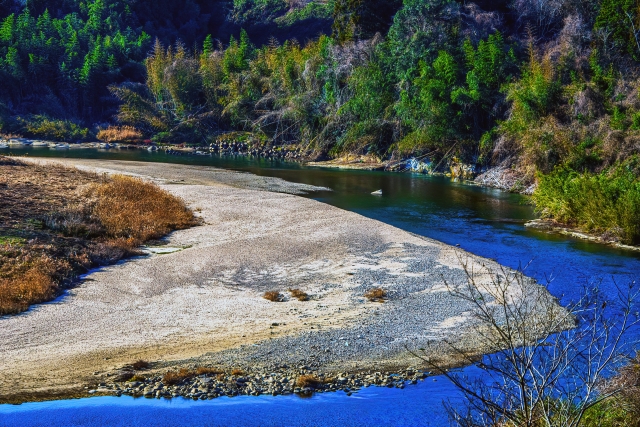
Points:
x=276, y=380
x=197, y=300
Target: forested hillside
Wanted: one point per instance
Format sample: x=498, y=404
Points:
x=545, y=89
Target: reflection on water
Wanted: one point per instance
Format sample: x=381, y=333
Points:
x=483, y=221
x=375, y=406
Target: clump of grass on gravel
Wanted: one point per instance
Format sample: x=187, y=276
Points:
x=273, y=296
x=140, y=365
x=299, y=295
x=376, y=295
x=237, y=372
x=57, y=223
x=309, y=381
x=176, y=377
x=209, y=371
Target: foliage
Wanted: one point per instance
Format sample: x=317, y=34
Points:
x=119, y=134
x=548, y=363
x=621, y=18
x=258, y=10
x=61, y=66
x=536, y=85
x=311, y=10
x=607, y=203
x=43, y=127
x=361, y=19
x=454, y=98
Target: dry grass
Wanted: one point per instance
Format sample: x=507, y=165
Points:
x=32, y=284
x=299, y=295
x=209, y=371
x=120, y=134
x=627, y=380
x=131, y=208
x=273, y=296
x=176, y=377
x=140, y=365
x=376, y=295
x=309, y=381
x=57, y=223
x=237, y=372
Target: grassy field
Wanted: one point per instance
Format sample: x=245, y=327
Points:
x=57, y=223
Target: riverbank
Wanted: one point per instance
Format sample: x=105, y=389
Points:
x=502, y=178
x=57, y=223
x=556, y=227
x=201, y=304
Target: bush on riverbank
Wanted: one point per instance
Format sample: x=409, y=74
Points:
x=623, y=408
x=126, y=134
x=607, y=203
x=551, y=365
x=57, y=223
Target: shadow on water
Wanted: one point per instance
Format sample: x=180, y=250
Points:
x=483, y=221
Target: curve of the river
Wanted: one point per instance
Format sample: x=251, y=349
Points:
x=483, y=221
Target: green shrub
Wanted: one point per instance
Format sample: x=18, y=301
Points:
x=40, y=126
x=606, y=203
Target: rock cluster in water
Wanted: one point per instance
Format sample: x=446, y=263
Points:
x=241, y=149
x=302, y=381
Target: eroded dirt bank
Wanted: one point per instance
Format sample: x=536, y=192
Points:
x=202, y=302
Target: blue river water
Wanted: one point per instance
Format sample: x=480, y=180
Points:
x=483, y=221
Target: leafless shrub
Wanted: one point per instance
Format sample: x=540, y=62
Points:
x=545, y=15
x=627, y=381
x=548, y=361
x=478, y=23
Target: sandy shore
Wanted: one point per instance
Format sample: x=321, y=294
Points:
x=203, y=301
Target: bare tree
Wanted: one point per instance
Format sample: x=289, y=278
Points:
x=544, y=15
x=548, y=362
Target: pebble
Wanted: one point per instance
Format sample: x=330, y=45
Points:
x=271, y=381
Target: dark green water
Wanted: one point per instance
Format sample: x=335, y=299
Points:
x=483, y=221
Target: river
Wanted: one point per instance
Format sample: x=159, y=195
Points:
x=486, y=222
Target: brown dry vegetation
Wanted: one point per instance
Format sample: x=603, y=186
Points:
x=310, y=381
x=140, y=365
x=237, y=372
x=273, y=296
x=299, y=295
x=131, y=208
x=209, y=371
x=377, y=294
x=626, y=401
x=120, y=134
x=57, y=223
x=176, y=377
